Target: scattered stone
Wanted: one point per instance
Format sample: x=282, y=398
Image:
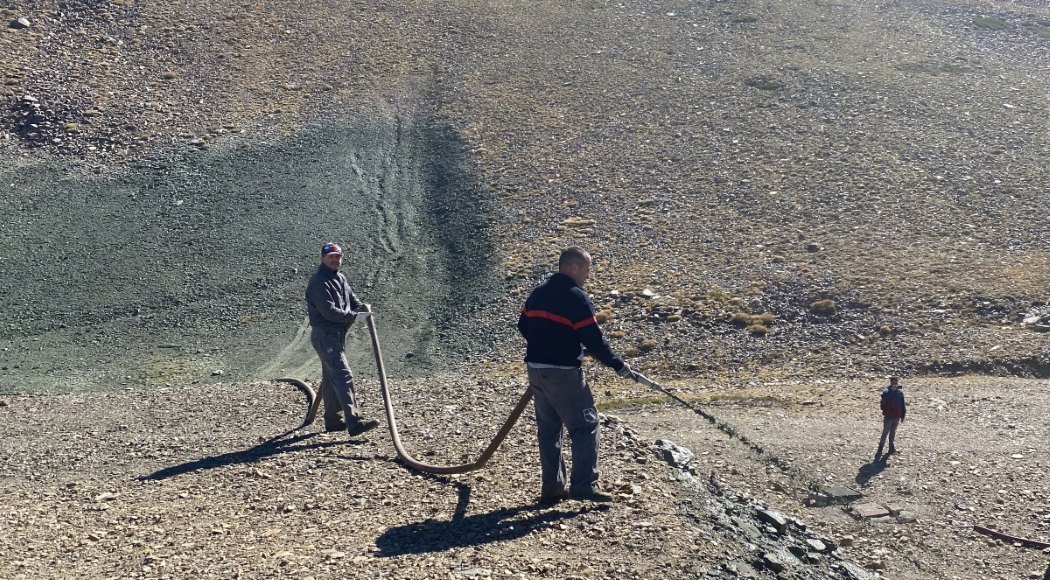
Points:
x=905, y=517
x=780, y=560
x=840, y=494
x=774, y=518
x=869, y=510
x=674, y=455
x=816, y=545
x=19, y=23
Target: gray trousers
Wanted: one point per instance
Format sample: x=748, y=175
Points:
x=337, y=381
x=562, y=398
x=889, y=427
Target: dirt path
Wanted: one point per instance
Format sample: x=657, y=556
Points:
x=972, y=452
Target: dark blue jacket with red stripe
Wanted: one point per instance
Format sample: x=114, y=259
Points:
x=558, y=322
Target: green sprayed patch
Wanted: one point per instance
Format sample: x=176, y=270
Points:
x=1039, y=30
x=991, y=23
x=745, y=20
x=932, y=68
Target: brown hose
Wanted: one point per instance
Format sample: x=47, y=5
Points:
x=314, y=402
x=1013, y=539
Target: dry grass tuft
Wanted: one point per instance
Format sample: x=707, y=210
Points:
x=647, y=345
x=741, y=319
x=758, y=330
x=603, y=316
x=765, y=319
x=824, y=307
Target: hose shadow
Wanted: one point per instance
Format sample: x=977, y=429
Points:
x=462, y=490
x=464, y=531
x=270, y=447
x=732, y=432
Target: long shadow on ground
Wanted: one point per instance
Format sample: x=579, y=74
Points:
x=265, y=449
x=495, y=526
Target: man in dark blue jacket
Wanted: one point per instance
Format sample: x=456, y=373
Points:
x=558, y=322
x=893, y=412
x=333, y=307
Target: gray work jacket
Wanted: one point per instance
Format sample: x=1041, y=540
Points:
x=330, y=302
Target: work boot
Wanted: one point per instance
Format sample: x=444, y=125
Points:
x=892, y=450
x=592, y=494
x=554, y=498
x=338, y=425
x=362, y=426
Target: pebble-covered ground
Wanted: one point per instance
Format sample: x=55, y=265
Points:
x=787, y=201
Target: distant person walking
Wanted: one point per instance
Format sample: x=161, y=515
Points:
x=558, y=321
x=333, y=307
x=893, y=411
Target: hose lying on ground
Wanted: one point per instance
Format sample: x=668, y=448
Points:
x=1013, y=539
x=314, y=402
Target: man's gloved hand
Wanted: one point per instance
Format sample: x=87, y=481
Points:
x=626, y=372
x=363, y=314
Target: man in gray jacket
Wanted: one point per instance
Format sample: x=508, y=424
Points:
x=333, y=307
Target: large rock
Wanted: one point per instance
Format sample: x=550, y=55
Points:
x=775, y=519
x=672, y=453
x=869, y=510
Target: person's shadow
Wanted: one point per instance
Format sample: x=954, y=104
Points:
x=870, y=470
x=272, y=446
x=433, y=535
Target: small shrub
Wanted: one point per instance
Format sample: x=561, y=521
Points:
x=631, y=352
x=745, y=20
x=884, y=330
x=741, y=319
x=603, y=316
x=824, y=307
x=616, y=334
x=758, y=330
x=647, y=345
x=674, y=318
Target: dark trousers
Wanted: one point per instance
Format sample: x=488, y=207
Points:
x=563, y=399
x=889, y=428
x=337, y=381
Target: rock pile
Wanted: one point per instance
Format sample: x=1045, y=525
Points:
x=776, y=542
